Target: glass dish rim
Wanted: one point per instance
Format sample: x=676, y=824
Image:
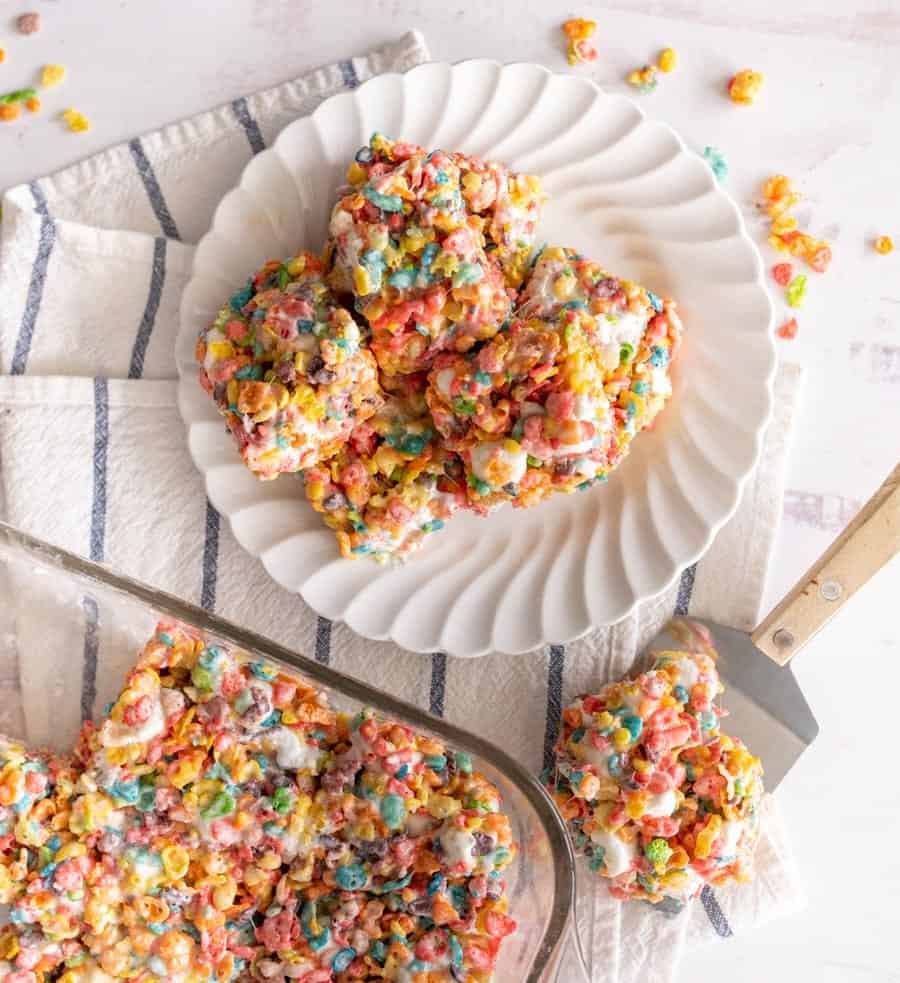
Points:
x=556, y=931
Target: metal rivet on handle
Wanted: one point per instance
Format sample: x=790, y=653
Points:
x=783, y=638
x=831, y=590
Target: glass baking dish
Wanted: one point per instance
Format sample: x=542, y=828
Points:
x=65, y=607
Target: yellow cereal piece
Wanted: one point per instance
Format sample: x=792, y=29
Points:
x=443, y=806
x=605, y=720
x=707, y=837
x=621, y=738
x=636, y=805
x=884, y=245
x=69, y=850
x=52, y=75
x=356, y=174
x=76, y=121
x=297, y=265
x=668, y=60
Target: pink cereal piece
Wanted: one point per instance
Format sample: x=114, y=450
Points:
x=232, y=683
x=138, y=712
x=35, y=782
x=282, y=692
x=585, y=50
x=478, y=958
x=28, y=23
x=235, y=330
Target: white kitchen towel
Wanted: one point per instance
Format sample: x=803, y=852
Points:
x=93, y=457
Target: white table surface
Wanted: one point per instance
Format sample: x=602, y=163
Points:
x=830, y=118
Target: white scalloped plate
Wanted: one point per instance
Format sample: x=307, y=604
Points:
x=624, y=191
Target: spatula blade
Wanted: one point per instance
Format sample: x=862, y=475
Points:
x=766, y=707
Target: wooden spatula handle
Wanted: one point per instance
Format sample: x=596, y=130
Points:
x=858, y=553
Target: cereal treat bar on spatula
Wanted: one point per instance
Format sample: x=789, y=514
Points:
x=657, y=798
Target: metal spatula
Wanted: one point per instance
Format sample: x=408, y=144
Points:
x=766, y=707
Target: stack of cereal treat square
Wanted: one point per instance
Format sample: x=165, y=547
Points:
x=471, y=372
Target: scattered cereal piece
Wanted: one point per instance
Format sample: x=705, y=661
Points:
x=643, y=79
x=76, y=121
x=33, y=105
x=579, y=28
x=884, y=245
x=17, y=95
x=29, y=23
x=9, y=111
x=788, y=330
x=796, y=291
x=2, y=56
x=579, y=31
x=782, y=273
x=716, y=160
x=668, y=60
x=780, y=197
x=581, y=52
x=744, y=87
x=52, y=75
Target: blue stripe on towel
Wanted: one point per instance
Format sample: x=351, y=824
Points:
x=438, y=689
x=97, y=547
x=210, y=559
x=714, y=913
x=157, y=280
x=154, y=192
x=685, y=590
x=249, y=125
x=555, y=665
x=348, y=74
x=323, y=641
x=46, y=241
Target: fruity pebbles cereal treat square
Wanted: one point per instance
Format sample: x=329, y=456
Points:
x=425, y=241
x=288, y=368
x=552, y=402
x=393, y=484
x=657, y=798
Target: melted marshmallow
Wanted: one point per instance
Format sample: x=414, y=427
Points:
x=617, y=854
x=487, y=455
x=291, y=751
x=662, y=804
x=117, y=734
x=459, y=847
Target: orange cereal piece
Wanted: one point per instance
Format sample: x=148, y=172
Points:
x=10, y=111
x=788, y=330
x=579, y=28
x=33, y=105
x=2, y=55
x=744, y=86
x=884, y=245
